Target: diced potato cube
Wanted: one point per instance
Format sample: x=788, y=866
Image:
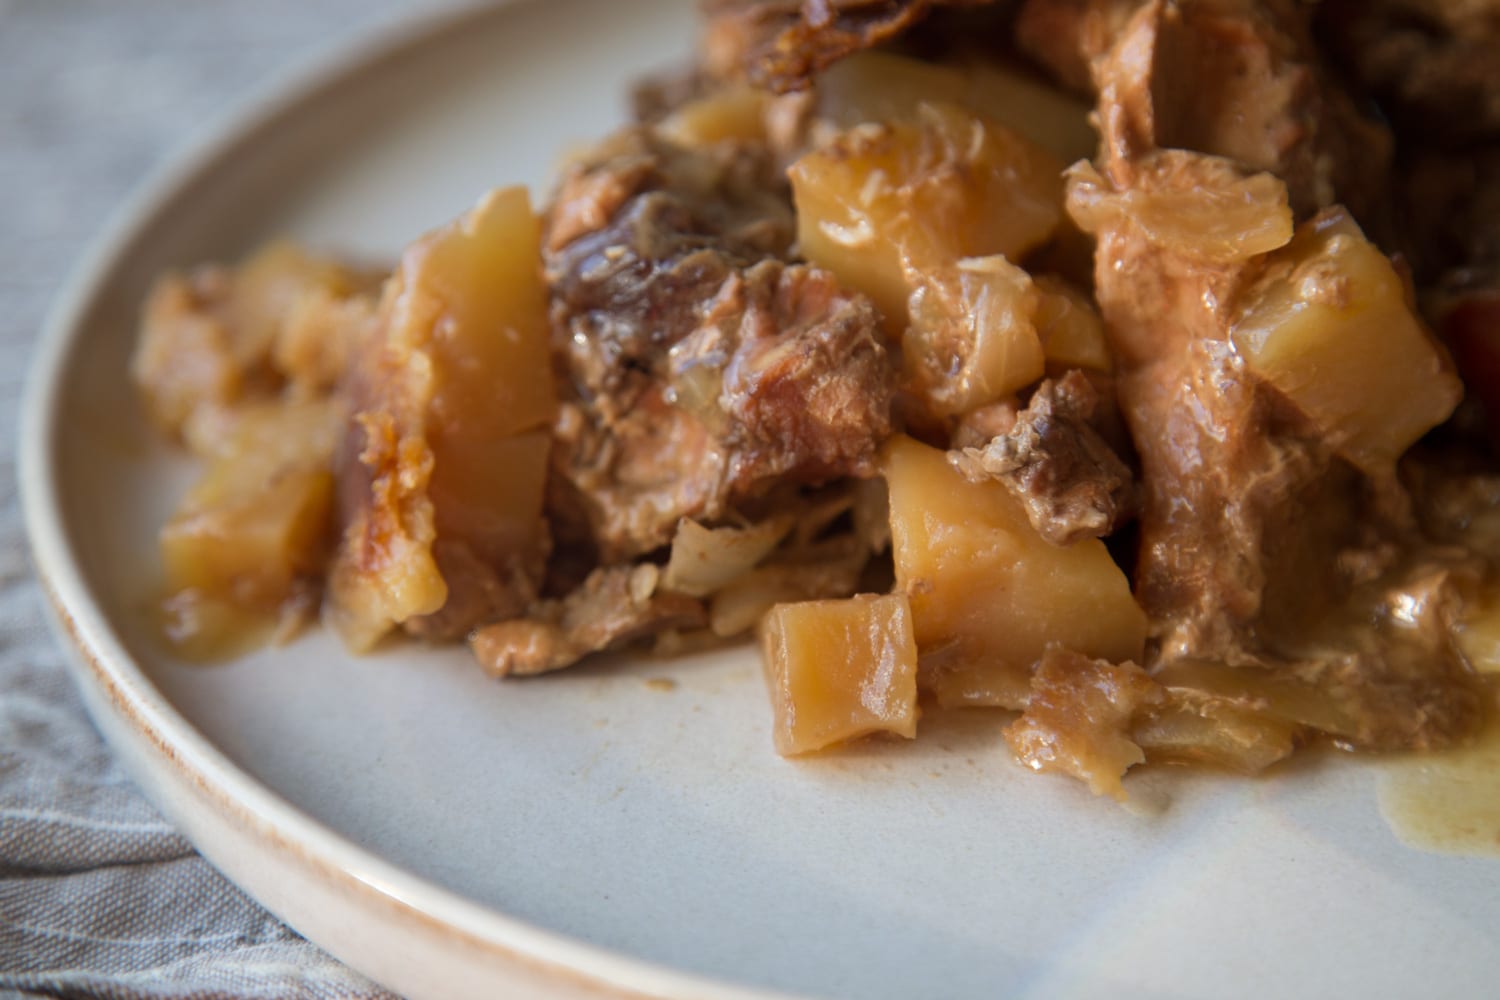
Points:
x=492, y=498
x=479, y=284
x=989, y=593
x=261, y=515
x=203, y=628
x=884, y=87
x=270, y=284
x=1070, y=329
x=733, y=114
x=317, y=341
x=837, y=670
x=881, y=205
x=450, y=409
x=252, y=550
x=972, y=338
x=472, y=295
x=213, y=339
x=1331, y=327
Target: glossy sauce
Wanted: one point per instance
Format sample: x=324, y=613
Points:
x=1450, y=801
x=1447, y=802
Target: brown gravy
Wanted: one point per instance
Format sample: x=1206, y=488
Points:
x=1447, y=802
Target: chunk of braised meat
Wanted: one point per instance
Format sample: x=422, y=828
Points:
x=640, y=236
x=1243, y=511
x=1244, y=80
x=1430, y=63
x=1241, y=79
x=697, y=367
x=1066, y=36
x=1221, y=470
x=1254, y=535
x=1080, y=717
x=782, y=44
x=1063, y=471
x=615, y=606
x=804, y=387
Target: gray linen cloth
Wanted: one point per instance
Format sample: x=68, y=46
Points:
x=99, y=896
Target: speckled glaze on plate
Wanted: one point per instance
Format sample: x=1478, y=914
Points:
x=599, y=833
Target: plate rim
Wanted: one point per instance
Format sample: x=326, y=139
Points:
x=98, y=657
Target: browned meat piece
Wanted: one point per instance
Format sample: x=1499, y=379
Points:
x=804, y=383
x=1218, y=486
x=1254, y=536
x=1431, y=63
x=1235, y=78
x=976, y=428
x=641, y=235
x=1079, y=719
x=613, y=607
x=1241, y=79
x=1066, y=36
x=782, y=44
x=1069, y=479
x=697, y=366
x=1239, y=511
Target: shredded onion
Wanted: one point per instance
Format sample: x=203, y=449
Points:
x=703, y=560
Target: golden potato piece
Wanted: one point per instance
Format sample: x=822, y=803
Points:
x=988, y=594
x=837, y=670
x=447, y=456
x=251, y=549
x=882, y=204
x=735, y=114
x=216, y=338
x=1331, y=328
x=885, y=87
x=1070, y=329
x=258, y=523
x=273, y=284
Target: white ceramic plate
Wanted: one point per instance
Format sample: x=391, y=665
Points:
x=592, y=834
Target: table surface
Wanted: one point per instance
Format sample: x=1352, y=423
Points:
x=97, y=893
